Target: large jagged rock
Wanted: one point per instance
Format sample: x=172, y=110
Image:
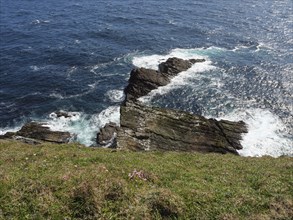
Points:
x=143, y=80
x=39, y=131
x=150, y=128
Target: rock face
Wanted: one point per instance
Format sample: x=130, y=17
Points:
x=142, y=80
x=175, y=65
x=33, y=132
x=107, y=135
x=149, y=128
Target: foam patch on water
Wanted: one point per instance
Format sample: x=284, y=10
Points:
x=266, y=133
x=84, y=126
x=115, y=95
x=110, y=114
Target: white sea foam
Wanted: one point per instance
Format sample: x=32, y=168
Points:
x=37, y=68
x=152, y=61
x=85, y=127
x=265, y=133
x=115, y=95
x=61, y=96
x=37, y=21
x=110, y=114
x=56, y=95
x=241, y=47
x=263, y=46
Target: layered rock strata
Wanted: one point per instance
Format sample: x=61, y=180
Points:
x=150, y=128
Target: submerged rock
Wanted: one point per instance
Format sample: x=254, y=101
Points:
x=107, y=135
x=150, y=128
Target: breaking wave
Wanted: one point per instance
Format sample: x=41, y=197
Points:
x=84, y=126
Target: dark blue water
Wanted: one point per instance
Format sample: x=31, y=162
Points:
x=76, y=56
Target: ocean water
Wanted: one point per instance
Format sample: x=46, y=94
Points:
x=76, y=56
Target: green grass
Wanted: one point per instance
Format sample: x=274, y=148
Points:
x=74, y=182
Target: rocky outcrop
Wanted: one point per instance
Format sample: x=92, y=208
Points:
x=175, y=65
x=33, y=132
x=149, y=128
x=143, y=80
x=107, y=135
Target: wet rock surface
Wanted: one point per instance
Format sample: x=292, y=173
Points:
x=142, y=81
x=107, y=135
x=175, y=65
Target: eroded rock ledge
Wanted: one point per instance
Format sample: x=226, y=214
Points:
x=150, y=128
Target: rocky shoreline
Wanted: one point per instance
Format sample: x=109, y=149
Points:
x=150, y=128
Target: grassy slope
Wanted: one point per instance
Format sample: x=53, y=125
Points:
x=71, y=182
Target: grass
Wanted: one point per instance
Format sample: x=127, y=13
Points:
x=74, y=182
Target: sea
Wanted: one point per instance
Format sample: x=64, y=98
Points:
x=76, y=56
